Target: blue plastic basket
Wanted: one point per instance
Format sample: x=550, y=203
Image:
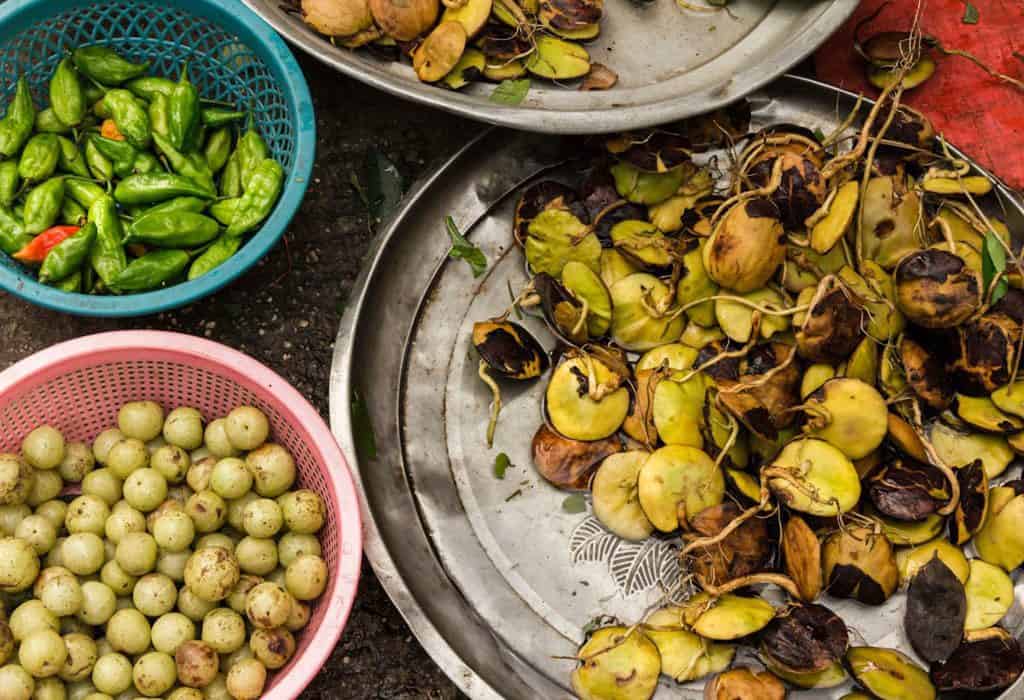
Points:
x=232, y=55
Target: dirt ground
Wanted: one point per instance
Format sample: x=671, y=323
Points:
x=285, y=313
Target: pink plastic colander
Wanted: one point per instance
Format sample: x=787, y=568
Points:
x=79, y=385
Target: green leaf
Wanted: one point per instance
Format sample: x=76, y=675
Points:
x=970, y=14
x=501, y=465
x=464, y=250
x=574, y=504
x=511, y=92
x=384, y=185
x=819, y=134
x=362, y=429
x=993, y=263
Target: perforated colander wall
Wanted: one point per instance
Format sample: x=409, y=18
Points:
x=82, y=398
x=222, y=67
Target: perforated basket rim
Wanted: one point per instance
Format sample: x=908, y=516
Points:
x=236, y=18
x=93, y=350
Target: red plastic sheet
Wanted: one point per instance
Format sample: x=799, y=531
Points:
x=977, y=113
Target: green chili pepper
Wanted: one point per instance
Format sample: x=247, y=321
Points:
x=218, y=148
x=223, y=210
x=178, y=204
x=93, y=93
x=252, y=150
x=193, y=166
x=158, y=121
x=150, y=188
x=9, y=181
x=231, y=178
x=42, y=205
x=129, y=115
x=71, y=160
x=146, y=162
x=39, y=157
x=173, y=229
x=84, y=192
x=107, y=255
x=149, y=86
x=13, y=236
x=72, y=283
x=212, y=116
x=150, y=271
x=99, y=165
x=47, y=122
x=183, y=113
x=71, y=212
x=214, y=256
x=104, y=65
x=121, y=153
x=68, y=255
x=66, y=97
x=259, y=198
x=16, y=126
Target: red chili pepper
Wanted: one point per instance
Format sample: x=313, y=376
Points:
x=41, y=245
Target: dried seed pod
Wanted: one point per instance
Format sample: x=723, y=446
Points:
x=509, y=349
x=801, y=553
x=337, y=17
x=989, y=593
x=677, y=410
x=891, y=221
x=812, y=476
x=643, y=313
x=545, y=194
x=404, y=20
x=980, y=412
x=805, y=639
x=716, y=129
x=831, y=677
x=639, y=424
x=860, y=564
x=988, y=665
x=801, y=191
x=695, y=284
x=617, y=662
x=902, y=533
x=616, y=502
x=874, y=288
x=1001, y=539
x=986, y=350
x=615, y=266
x=766, y=391
x=907, y=490
x=642, y=242
x=744, y=551
x=747, y=246
x=908, y=126
x=884, y=49
x=569, y=464
x=972, y=509
x=676, y=483
x=831, y=227
x=653, y=151
x=556, y=236
x=936, y=289
x=726, y=617
x=936, y=609
x=719, y=428
x=586, y=399
x=472, y=15
x=910, y=561
x=685, y=656
x=440, y=51
x=556, y=59
x=919, y=73
x=743, y=683
x=848, y=414
x=833, y=326
x=926, y=374
x=889, y=674
x=1010, y=398
x=561, y=310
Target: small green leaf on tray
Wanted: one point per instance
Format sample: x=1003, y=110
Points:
x=384, y=185
x=464, y=250
x=970, y=14
x=511, y=92
x=362, y=429
x=501, y=465
x=819, y=134
x=993, y=263
x=574, y=504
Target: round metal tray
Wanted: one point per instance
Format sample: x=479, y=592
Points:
x=671, y=63
x=494, y=577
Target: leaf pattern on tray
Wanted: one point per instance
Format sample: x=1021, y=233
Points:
x=634, y=566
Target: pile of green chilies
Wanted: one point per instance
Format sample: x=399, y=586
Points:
x=127, y=182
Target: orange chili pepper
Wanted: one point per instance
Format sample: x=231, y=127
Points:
x=108, y=129
x=41, y=245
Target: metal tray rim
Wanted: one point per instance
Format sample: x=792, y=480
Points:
x=557, y=121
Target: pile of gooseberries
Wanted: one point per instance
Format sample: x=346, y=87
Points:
x=170, y=558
